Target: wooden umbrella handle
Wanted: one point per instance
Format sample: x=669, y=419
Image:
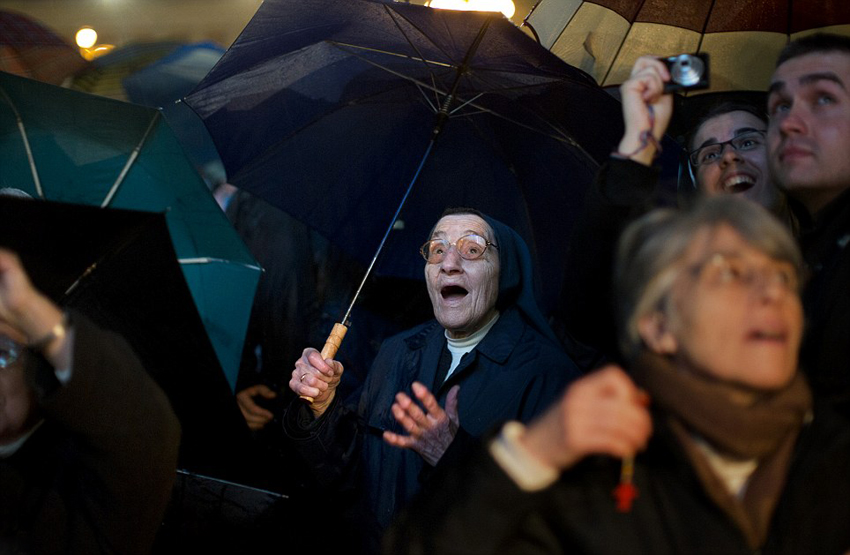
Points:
x=332, y=345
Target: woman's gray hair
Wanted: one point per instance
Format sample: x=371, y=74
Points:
x=650, y=249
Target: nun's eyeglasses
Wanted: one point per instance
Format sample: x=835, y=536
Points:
x=469, y=247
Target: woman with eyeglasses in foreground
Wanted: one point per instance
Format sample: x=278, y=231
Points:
x=488, y=356
x=710, y=443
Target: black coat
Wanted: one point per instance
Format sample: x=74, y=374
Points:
x=476, y=508
x=514, y=373
x=96, y=476
x=825, y=354
x=622, y=191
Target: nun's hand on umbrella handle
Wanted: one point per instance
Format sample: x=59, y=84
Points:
x=430, y=431
x=601, y=413
x=332, y=345
x=645, y=105
x=317, y=378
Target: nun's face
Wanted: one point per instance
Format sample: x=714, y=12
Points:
x=463, y=292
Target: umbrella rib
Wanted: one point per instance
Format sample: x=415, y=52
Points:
x=212, y=260
x=415, y=48
x=468, y=102
x=130, y=161
x=417, y=82
x=423, y=33
x=561, y=136
x=620, y=47
x=27, y=147
x=422, y=59
x=427, y=99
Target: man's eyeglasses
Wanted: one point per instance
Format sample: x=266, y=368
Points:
x=711, y=154
x=469, y=247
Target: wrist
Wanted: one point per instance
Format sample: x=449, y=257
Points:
x=538, y=441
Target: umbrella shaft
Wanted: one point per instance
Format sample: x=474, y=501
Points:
x=345, y=320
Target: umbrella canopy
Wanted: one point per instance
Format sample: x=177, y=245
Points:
x=158, y=74
x=105, y=75
x=742, y=37
x=118, y=267
x=30, y=49
x=327, y=109
x=72, y=147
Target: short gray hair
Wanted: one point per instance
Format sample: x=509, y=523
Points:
x=650, y=249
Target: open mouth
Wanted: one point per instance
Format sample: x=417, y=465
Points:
x=453, y=292
x=773, y=337
x=739, y=184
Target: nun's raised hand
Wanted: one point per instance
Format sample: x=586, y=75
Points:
x=430, y=431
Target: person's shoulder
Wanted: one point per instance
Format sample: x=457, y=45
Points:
x=416, y=336
x=533, y=348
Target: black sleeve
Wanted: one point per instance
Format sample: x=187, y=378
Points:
x=622, y=192
x=471, y=508
x=118, y=443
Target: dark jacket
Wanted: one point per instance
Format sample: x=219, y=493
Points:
x=96, y=476
x=622, y=191
x=825, y=354
x=514, y=373
x=477, y=509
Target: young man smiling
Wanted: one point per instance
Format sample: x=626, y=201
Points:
x=809, y=157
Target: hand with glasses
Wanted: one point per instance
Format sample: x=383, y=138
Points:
x=712, y=154
x=9, y=351
x=469, y=247
x=27, y=317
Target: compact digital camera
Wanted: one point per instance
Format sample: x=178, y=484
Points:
x=687, y=72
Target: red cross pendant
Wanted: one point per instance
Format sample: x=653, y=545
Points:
x=626, y=492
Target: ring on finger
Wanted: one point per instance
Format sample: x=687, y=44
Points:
x=302, y=377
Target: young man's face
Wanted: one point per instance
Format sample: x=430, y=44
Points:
x=735, y=172
x=809, y=131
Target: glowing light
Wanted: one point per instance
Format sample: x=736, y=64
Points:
x=505, y=6
x=99, y=50
x=86, y=37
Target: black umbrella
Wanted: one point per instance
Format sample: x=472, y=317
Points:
x=332, y=111
x=119, y=268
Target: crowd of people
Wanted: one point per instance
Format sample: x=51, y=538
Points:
x=718, y=422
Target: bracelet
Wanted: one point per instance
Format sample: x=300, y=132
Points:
x=646, y=139
x=58, y=331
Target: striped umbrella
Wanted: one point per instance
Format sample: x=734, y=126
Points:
x=742, y=37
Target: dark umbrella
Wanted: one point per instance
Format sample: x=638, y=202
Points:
x=742, y=37
x=30, y=49
x=328, y=110
x=118, y=267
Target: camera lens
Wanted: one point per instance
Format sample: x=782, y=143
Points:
x=686, y=70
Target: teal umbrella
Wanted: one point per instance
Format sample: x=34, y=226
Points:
x=73, y=147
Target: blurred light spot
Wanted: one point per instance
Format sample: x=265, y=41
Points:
x=86, y=37
x=505, y=6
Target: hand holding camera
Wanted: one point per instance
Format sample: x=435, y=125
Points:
x=648, y=104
